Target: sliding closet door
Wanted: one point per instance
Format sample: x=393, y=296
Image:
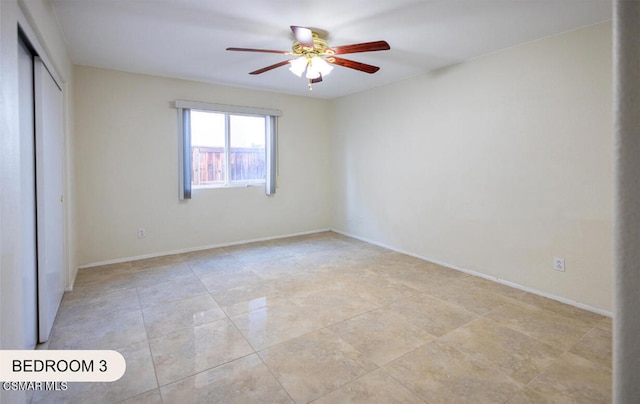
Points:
x=28, y=198
x=49, y=196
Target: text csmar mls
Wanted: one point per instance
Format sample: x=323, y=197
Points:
x=58, y=366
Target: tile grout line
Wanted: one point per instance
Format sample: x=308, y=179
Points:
x=153, y=363
x=337, y=251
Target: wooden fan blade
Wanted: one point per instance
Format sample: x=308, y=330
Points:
x=303, y=35
x=361, y=47
x=257, y=50
x=316, y=80
x=266, y=69
x=363, y=67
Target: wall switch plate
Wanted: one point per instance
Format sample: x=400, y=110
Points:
x=141, y=233
x=558, y=264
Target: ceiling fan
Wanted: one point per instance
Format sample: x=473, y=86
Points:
x=316, y=57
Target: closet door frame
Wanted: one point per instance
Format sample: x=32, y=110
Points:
x=49, y=181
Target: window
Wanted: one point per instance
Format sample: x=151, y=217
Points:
x=227, y=149
x=226, y=146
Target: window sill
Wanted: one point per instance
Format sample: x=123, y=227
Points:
x=240, y=185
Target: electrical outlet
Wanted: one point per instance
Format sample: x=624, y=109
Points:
x=141, y=233
x=558, y=264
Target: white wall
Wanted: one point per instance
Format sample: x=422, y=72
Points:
x=11, y=324
x=495, y=166
x=127, y=169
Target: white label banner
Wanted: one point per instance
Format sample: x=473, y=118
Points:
x=61, y=366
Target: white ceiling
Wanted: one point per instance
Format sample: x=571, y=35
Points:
x=187, y=38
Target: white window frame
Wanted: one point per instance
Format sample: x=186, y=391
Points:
x=184, y=131
x=228, y=183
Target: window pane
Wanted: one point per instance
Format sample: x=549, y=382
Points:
x=247, y=158
x=207, y=148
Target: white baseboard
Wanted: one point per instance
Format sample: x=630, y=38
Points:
x=485, y=276
x=69, y=288
x=200, y=248
x=374, y=242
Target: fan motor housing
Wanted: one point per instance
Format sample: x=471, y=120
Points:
x=320, y=48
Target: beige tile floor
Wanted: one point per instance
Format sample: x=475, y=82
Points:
x=329, y=319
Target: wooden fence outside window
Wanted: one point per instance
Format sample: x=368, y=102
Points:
x=208, y=166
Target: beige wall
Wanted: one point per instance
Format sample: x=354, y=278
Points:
x=127, y=169
x=495, y=166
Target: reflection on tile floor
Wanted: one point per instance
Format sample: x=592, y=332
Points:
x=325, y=317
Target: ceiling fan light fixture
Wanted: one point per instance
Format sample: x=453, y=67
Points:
x=312, y=72
x=318, y=66
x=298, y=66
x=313, y=56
